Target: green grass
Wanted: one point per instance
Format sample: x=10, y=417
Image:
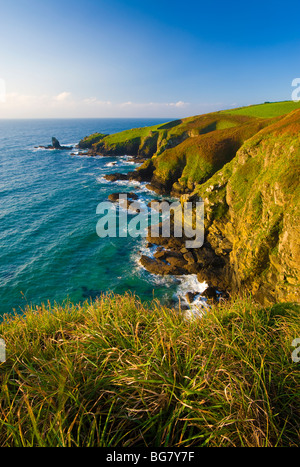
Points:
x=117, y=372
x=199, y=157
x=88, y=141
x=267, y=110
x=130, y=134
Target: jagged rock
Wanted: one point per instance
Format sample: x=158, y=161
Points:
x=115, y=196
x=189, y=257
x=116, y=176
x=210, y=292
x=156, y=266
x=55, y=145
x=190, y=296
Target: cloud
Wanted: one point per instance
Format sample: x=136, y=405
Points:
x=154, y=104
x=178, y=104
x=95, y=101
x=62, y=96
x=126, y=104
x=66, y=105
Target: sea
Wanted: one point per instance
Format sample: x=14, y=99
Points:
x=49, y=248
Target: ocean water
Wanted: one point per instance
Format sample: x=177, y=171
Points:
x=50, y=250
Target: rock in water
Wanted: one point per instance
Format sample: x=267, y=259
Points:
x=55, y=143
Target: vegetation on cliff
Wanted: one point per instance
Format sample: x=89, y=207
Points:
x=117, y=372
x=253, y=204
x=244, y=163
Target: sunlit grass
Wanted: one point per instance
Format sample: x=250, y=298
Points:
x=117, y=372
x=266, y=110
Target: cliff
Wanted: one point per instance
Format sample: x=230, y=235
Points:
x=252, y=208
x=244, y=164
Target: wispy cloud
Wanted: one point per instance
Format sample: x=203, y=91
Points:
x=65, y=104
x=154, y=104
x=63, y=96
x=179, y=104
x=95, y=101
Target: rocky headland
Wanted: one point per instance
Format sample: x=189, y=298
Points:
x=246, y=170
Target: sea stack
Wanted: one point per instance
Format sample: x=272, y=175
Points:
x=55, y=145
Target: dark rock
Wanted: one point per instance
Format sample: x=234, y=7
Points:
x=192, y=268
x=56, y=145
x=114, y=197
x=156, y=266
x=132, y=196
x=189, y=257
x=116, y=176
x=210, y=292
x=190, y=296
x=125, y=203
x=177, y=262
x=160, y=254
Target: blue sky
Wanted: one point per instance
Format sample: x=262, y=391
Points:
x=145, y=58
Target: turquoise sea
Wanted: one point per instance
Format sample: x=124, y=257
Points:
x=50, y=250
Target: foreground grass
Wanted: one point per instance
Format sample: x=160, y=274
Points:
x=119, y=373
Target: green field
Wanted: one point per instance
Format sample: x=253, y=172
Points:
x=266, y=110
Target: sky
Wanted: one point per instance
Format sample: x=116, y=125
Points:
x=144, y=58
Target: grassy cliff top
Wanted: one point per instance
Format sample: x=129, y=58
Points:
x=117, y=372
x=190, y=150
x=192, y=126
x=266, y=110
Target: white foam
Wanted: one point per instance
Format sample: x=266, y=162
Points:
x=186, y=283
x=83, y=155
x=102, y=180
x=127, y=182
x=190, y=283
x=131, y=163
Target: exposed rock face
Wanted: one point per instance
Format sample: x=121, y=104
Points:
x=252, y=214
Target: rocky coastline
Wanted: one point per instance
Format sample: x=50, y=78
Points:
x=169, y=255
x=246, y=170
